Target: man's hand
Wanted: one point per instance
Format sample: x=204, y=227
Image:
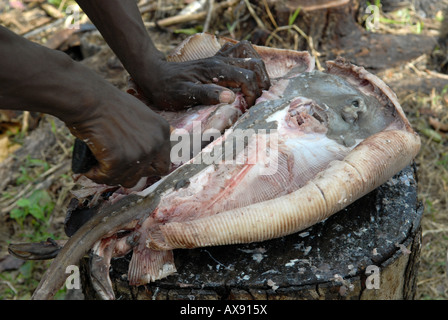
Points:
x=176, y=85
x=171, y=85
x=128, y=139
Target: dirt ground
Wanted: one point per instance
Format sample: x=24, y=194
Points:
x=35, y=150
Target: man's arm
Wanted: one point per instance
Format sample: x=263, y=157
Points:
x=41, y=79
x=126, y=137
x=168, y=84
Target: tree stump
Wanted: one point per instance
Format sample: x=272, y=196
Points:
x=370, y=250
x=336, y=30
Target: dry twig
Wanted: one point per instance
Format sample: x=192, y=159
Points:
x=308, y=39
x=254, y=15
x=167, y=22
x=211, y=4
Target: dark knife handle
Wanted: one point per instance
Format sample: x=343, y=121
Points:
x=83, y=159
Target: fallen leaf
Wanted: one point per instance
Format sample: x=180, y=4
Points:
x=6, y=147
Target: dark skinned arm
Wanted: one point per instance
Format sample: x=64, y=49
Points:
x=126, y=137
x=171, y=85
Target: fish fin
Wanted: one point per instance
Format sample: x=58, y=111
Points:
x=149, y=265
x=198, y=46
x=99, y=277
x=279, y=62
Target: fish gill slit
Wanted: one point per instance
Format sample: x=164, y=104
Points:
x=356, y=169
x=323, y=194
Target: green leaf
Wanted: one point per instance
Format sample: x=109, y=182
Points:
x=293, y=17
x=23, y=203
x=16, y=214
x=26, y=269
x=39, y=163
x=56, y=3
x=37, y=212
x=189, y=31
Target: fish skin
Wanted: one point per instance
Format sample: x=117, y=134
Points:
x=148, y=200
x=346, y=122
x=100, y=258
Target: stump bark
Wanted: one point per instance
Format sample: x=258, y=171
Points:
x=370, y=250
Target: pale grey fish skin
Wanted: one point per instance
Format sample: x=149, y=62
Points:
x=350, y=114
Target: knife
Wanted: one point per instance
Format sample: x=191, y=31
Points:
x=83, y=159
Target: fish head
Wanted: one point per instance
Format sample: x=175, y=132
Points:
x=349, y=114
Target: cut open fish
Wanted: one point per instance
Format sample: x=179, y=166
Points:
x=311, y=145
